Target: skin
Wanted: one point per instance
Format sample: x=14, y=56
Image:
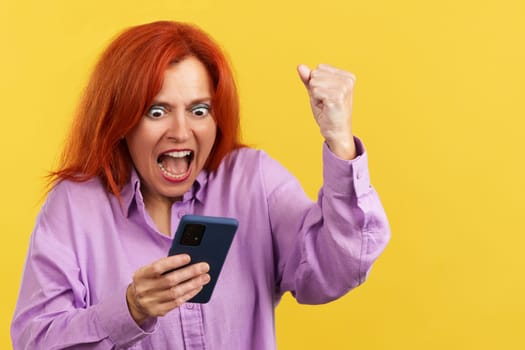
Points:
x=331, y=91
x=152, y=293
x=177, y=120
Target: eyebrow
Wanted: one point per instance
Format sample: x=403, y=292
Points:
x=192, y=102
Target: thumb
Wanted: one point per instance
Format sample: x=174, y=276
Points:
x=304, y=74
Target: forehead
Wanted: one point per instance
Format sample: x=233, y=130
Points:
x=186, y=79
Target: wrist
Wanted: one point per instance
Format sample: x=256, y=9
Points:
x=343, y=148
x=134, y=309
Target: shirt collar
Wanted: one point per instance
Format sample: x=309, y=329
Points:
x=131, y=191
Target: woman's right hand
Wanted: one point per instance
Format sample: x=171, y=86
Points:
x=153, y=293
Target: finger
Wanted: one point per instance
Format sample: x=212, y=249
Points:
x=152, y=299
x=345, y=85
x=163, y=308
x=146, y=278
x=148, y=303
x=304, y=74
x=323, y=77
x=331, y=96
x=333, y=76
x=184, y=274
x=334, y=70
x=180, y=290
x=168, y=263
x=170, y=279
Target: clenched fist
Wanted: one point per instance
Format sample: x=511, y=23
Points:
x=331, y=90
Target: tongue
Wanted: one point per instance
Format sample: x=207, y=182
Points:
x=176, y=166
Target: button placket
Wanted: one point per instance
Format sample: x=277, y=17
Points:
x=192, y=326
x=178, y=210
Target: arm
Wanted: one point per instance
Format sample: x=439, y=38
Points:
x=67, y=302
x=326, y=248
x=53, y=309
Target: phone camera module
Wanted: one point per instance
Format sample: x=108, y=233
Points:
x=192, y=234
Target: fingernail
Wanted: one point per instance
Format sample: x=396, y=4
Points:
x=206, y=268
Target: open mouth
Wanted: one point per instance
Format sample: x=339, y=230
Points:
x=175, y=164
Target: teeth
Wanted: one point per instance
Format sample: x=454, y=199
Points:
x=167, y=173
x=178, y=154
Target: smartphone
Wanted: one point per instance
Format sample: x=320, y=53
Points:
x=205, y=239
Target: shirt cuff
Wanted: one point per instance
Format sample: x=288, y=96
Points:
x=116, y=321
x=346, y=176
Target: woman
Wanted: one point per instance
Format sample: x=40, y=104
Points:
x=156, y=137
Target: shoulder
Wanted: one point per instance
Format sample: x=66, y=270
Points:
x=251, y=166
x=252, y=163
x=70, y=209
x=73, y=196
x=248, y=159
x=243, y=154
x=78, y=190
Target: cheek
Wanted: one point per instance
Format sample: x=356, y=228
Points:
x=210, y=135
x=144, y=135
x=206, y=139
x=138, y=142
x=131, y=142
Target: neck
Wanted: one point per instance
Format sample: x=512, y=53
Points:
x=159, y=209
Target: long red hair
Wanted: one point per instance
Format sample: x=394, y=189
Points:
x=123, y=84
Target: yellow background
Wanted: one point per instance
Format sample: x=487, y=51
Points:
x=439, y=103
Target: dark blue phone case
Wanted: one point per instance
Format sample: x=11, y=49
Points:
x=213, y=248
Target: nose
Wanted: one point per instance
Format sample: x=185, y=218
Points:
x=179, y=129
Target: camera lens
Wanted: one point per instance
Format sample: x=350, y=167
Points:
x=192, y=234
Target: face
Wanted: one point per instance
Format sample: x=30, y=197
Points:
x=172, y=142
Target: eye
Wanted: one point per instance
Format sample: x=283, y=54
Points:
x=156, y=112
x=200, y=110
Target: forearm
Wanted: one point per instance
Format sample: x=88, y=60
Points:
x=339, y=237
x=101, y=326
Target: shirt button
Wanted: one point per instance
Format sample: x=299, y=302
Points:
x=189, y=305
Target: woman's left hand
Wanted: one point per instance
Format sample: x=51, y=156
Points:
x=331, y=90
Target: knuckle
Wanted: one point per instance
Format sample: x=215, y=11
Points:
x=180, y=300
x=140, y=292
x=197, y=269
x=172, y=279
x=162, y=313
x=349, y=81
x=165, y=282
x=136, y=276
x=156, y=269
x=314, y=85
x=195, y=283
x=348, y=74
x=175, y=292
x=315, y=73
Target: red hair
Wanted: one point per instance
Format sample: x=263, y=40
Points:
x=123, y=84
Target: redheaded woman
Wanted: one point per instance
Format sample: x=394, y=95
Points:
x=156, y=137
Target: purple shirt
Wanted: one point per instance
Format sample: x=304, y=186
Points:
x=85, y=248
